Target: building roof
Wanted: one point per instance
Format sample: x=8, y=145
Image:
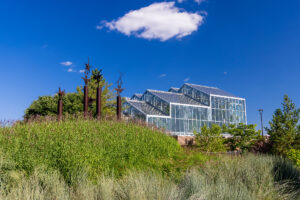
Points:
x=173, y=89
x=137, y=95
x=172, y=97
x=210, y=90
x=145, y=108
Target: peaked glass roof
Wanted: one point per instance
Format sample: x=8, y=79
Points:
x=172, y=97
x=137, y=95
x=210, y=90
x=173, y=89
x=144, y=107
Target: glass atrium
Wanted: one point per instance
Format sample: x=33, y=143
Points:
x=181, y=111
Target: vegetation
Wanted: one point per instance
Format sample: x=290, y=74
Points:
x=234, y=178
x=97, y=148
x=88, y=159
x=73, y=102
x=284, y=129
x=294, y=155
x=210, y=139
x=243, y=138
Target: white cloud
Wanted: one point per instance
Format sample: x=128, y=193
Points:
x=186, y=79
x=70, y=70
x=180, y=1
x=81, y=71
x=161, y=21
x=199, y=1
x=67, y=63
x=162, y=75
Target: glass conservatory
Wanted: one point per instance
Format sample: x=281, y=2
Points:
x=182, y=111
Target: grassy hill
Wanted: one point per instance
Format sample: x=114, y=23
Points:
x=86, y=159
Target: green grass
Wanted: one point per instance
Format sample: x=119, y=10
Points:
x=106, y=147
x=87, y=159
x=233, y=178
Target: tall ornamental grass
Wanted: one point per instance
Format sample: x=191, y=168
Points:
x=97, y=148
x=230, y=178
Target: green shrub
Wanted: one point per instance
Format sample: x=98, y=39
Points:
x=210, y=139
x=92, y=146
x=244, y=136
x=294, y=155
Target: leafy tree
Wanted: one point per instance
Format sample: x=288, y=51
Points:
x=73, y=102
x=243, y=136
x=284, y=131
x=210, y=139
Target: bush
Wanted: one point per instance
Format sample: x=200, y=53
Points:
x=243, y=138
x=92, y=146
x=294, y=155
x=210, y=139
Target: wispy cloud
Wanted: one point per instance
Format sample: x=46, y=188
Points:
x=162, y=75
x=186, y=79
x=199, y=1
x=66, y=63
x=71, y=70
x=225, y=73
x=161, y=21
x=81, y=71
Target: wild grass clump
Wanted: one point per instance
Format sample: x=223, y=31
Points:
x=242, y=177
x=89, y=146
x=234, y=178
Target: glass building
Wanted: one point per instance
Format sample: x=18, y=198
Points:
x=181, y=111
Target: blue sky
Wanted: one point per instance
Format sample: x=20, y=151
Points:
x=249, y=48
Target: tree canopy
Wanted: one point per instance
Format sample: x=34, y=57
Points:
x=284, y=129
x=73, y=102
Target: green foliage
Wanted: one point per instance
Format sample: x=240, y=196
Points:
x=97, y=148
x=284, y=131
x=294, y=155
x=243, y=177
x=243, y=136
x=210, y=139
x=108, y=95
x=73, y=102
x=235, y=178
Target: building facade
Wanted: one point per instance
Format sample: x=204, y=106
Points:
x=183, y=111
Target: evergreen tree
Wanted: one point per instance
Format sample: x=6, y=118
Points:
x=243, y=137
x=284, y=128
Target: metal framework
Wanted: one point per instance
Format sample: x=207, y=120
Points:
x=85, y=89
x=98, y=77
x=119, y=90
x=187, y=112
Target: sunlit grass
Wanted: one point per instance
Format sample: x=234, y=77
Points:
x=105, y=147
x=87, y=159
